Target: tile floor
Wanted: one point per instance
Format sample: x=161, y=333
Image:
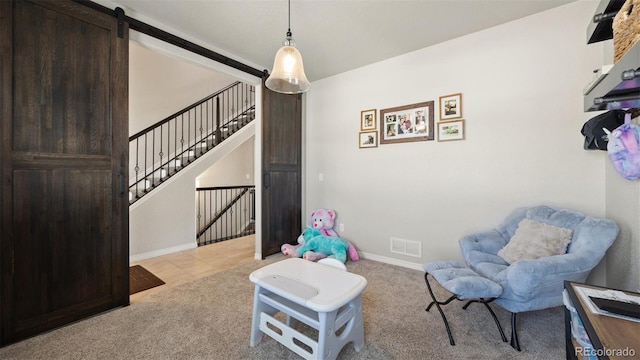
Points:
x=184, y=266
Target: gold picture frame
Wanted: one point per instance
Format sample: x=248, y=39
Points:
x=451, y=130
x=368, y=120
x=368, y=139
x=451, y=106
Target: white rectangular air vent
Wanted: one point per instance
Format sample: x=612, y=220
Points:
x=406, y=247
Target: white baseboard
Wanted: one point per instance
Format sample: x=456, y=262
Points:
x=391, y=261
x=166, y=251
x=258, y=256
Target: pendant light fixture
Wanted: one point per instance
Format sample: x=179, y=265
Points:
x=288, y=75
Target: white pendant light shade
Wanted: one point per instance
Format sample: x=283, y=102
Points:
x=288, y=75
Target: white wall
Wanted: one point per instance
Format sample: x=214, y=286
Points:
x=233, y=169
x=623, y=206
x=161, y=85
x=522, y=101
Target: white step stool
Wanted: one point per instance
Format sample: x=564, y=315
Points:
x=323, y=297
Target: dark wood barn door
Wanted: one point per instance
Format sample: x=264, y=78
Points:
x=64, y=153
x=282, y=170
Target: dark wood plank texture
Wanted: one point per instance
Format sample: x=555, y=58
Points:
x=282, y=170
x=64, y=127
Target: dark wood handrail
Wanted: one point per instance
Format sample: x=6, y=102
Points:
x=226, y=208
x=178, y=113
x=223, y=187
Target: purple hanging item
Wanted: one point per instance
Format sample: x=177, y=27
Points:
x=624, y=149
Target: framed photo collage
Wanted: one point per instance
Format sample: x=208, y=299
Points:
x=413, y=122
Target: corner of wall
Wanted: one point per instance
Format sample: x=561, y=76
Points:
x=623, y=207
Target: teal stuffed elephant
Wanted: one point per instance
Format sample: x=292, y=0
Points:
x=308, y=234
x=321, y=224
x=326, y=245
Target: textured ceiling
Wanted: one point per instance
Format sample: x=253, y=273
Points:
x=333, y=36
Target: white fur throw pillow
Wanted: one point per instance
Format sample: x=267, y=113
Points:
x=534, y=240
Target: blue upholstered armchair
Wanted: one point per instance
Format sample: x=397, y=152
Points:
x=538, y=284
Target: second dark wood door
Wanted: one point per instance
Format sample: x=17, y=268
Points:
x=282, y=167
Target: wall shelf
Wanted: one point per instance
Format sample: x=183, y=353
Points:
x=613, y=92
x=603, y=30
x=620, y=88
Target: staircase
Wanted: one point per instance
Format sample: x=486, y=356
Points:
x=165, y=148
x=224, y=212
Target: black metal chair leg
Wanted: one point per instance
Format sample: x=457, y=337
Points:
x=495, y=318
x=468, y=303
x=514, y=333
x=441, y=302
x=437, y=304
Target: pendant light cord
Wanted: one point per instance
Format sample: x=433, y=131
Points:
x=289, y=28
x=289, y=15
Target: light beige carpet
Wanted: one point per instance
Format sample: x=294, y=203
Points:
x=210, y=318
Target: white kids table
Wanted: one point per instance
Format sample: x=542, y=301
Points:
x=323, y=297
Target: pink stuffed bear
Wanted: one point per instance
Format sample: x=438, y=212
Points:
x=322, y=220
